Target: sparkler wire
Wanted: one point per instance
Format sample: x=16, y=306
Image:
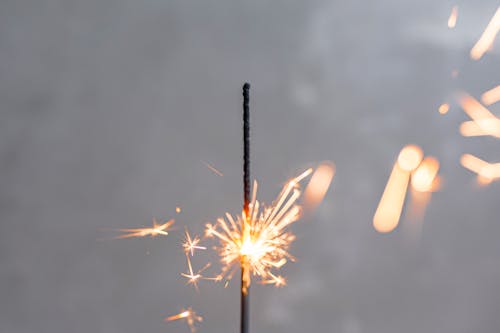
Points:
x=245, y=299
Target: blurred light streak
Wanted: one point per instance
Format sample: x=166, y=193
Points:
x=444, y=108
x=452, y=20
x=189, y=315
x=472, y=163
x=318, y=185
x=472, y=128
x=481, y=115
x=486, y=172
x=156, y=229
x=491, y=96
x=388, y=212
x=487, y=38
x=423, y=177
x=415, y=214
x=410, y=157
x=213, y=169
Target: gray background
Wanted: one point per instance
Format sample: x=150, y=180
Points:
x=109, y=107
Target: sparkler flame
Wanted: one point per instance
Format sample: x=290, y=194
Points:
x=259, y=240
x=155, y=230
x=189, y=315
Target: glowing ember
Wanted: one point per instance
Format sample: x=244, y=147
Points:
x=157, y=229
x=487, y=38
x=178, y=210
x=444, y=108
x=491, y=96
x=189, y=315
x=389, y=209
x=410, y=157
x=452, y=20
x=318, y=185
x=214, y=170
x=259, y=241
x=423, y=177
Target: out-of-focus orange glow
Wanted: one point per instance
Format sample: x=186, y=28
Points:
x=472, y=163
x=389, y=209
x=487, y=38
x=190, y=316
x=491, y=96
x=157, y=229
x=486, y=121
x=213, y=169
x=178, y=210
x=444, y=108
x=477, y=128
x=410, y=157
x=423, y=177
x=318, y=185
x=452, y=20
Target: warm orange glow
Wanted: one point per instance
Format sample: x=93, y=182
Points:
x=483, y=118
x=423, y=177
x=444, y=108
x=391, y=204
x=491, y=96
x=452, y=20
x=259, y=242
x=487, y=38
x=486, y=172
x=157, y=229
x=189, y=315
x=473, y=163
x=213, y=169
x=318, y=185
x=178, y=210
x=410, y=157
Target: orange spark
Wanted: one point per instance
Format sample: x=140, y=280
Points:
x=190, y=244
x=389, y=209
x=259, y=242
x=193, y=278
x=452, y=20
x=178, y=209
x=157, y=229
x=213, y=169
x=410, y=157
x=444, y=108
x=318, y=185
x=189, y=315
x=487, y=38
x=485, y=120
x=423, y=177
x=491, y=96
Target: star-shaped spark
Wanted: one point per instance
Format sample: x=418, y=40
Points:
x=194, y=278
x=190, y=244
x=189, y=315
x=155, y=230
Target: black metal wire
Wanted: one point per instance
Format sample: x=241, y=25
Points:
x=245, y=290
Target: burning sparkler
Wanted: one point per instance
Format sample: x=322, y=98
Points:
x=190, y=316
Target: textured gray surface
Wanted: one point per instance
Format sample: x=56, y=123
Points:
x=108, y=108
